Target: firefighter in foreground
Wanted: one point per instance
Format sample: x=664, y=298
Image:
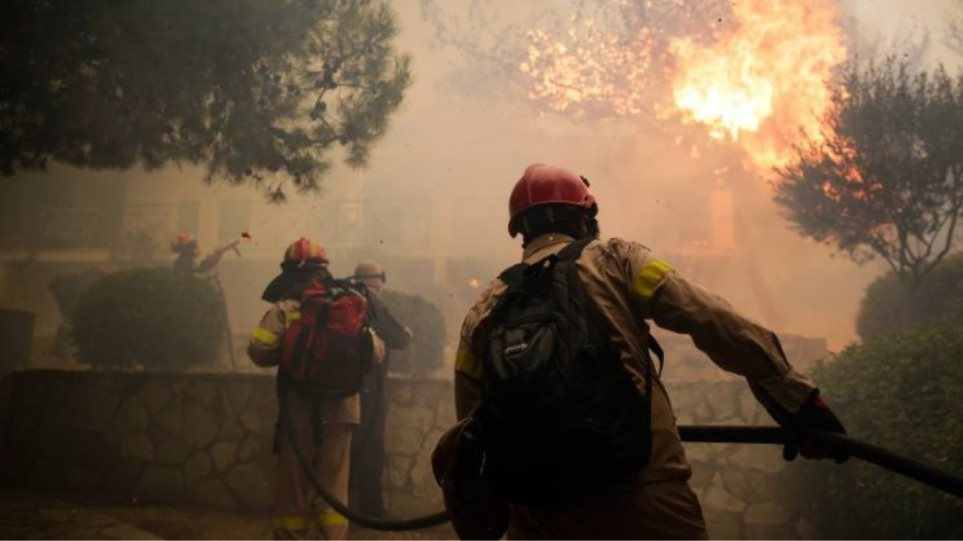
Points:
x=320, y=422
x=554, y=381
x=368, y=445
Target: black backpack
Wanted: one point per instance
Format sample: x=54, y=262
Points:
x=559, y=417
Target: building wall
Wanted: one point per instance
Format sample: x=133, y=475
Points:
x=410, y=235
x=205, y=439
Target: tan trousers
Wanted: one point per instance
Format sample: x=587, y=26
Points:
x=297, y=504
x=666, y=510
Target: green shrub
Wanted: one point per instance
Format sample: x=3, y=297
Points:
x=159, y=318
x=892, y=307
x=426, y=351
x=902, y=393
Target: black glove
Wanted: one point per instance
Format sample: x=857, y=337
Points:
x=814, y=415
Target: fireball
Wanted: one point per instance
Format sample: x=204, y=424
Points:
x=759, y=77
x=766, y=83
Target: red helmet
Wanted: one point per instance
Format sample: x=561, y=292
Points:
x=183, y=239
x=544, y=184
x=184, y=243
x=304, y=251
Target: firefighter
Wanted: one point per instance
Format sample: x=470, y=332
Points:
x=368, y=445
x=551, y=207
x=187, y=250
x=322, y=429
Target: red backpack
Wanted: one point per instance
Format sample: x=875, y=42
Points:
x=329, y=348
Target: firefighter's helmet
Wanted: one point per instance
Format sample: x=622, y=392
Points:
x=184, y=242
x=369, y=272
x=304, y=252
x=545, y=184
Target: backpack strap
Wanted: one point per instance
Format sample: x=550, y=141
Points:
x=653, y=345
x=516, y=273
x=513, y=275
x=574, y=249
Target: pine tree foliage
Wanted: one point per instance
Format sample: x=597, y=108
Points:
x=262, y=91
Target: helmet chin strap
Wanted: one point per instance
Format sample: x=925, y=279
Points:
x=592, y=226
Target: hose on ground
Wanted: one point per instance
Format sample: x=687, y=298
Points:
x=883, y=458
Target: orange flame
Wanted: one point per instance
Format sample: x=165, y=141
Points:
x=588, y=69
x=766, y=83
x=761, y=80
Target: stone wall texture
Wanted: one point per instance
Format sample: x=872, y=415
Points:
x=206, y=439
x=154, y=438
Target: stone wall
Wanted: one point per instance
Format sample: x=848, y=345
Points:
x=195, y=438
x=737, y=484
x=154, y=438
x=206, y=439
x=420, y=411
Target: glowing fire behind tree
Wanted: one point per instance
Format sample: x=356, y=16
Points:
x=592, y=71
x=758, y=76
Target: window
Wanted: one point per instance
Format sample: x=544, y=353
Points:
x=56, y=212
x=188, y=217
x=235, y=218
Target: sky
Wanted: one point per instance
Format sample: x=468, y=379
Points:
x=889, y=18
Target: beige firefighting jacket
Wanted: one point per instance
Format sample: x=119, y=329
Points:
x=265, y=350
x=629, y=286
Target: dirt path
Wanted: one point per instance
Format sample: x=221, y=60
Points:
x=30, y=515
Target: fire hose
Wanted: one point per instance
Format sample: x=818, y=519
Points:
x=883, y=458
x=873, y=454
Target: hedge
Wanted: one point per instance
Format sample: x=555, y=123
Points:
x=903, y=393
x=891, y=306
x=158, y=319
x=426, y=351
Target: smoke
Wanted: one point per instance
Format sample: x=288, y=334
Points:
x=656, y=181
x=432, y=203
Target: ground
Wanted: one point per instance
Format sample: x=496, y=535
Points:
x=33, y=515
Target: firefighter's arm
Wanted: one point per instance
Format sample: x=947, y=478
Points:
x=395, y=335
x=468, y=362
x=467, y=380
x=215, y=256
x=264, y=347
x=732, y=341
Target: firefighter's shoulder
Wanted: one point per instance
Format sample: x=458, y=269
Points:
x=642, y=270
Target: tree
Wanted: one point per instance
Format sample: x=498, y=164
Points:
x=887, y=180
x=257, y=90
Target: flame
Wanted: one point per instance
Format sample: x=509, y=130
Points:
x=588, y=69
x=844, y=158
x=761, y=80
x=766, y=83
